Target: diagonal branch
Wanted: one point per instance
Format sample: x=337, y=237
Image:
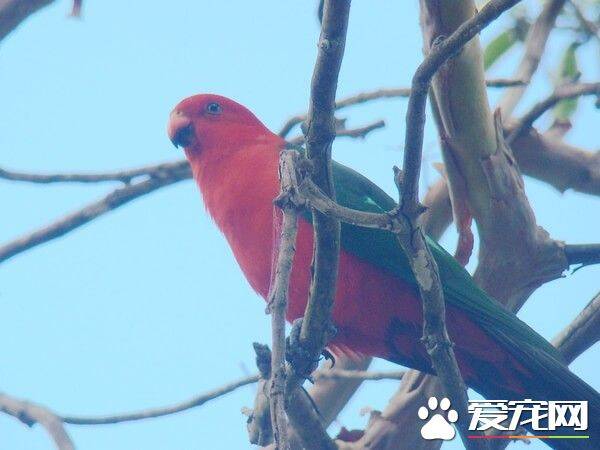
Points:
x=30, y=414
x=113, y=200
x=124, y=176
x=13, y=12
x=535, y=45
x=582, y=333
x=162, y=411
x=385, y=93
x=561, y=93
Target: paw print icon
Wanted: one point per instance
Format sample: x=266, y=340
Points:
x=438, y=426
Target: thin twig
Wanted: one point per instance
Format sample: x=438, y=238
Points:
x=535, y=45
x=124, y=176
x=113, y=200
x=357, y=133
x=163, y=411
x=590, y=27
x=356, y=99
x=560, y=93
x=358, y=374
x=30, y=414
x=378, y=94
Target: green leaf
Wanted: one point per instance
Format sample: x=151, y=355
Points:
x=568, y=72
x=498, y=47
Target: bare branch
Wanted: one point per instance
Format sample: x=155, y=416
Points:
x=557, y=163
x=30, y=414
x=590, y=27
x=561, y=93
x=320, y=132
x=124, y=176
x=357, y=133
x=13, y=12
x=505, y=82
x=115, y=199
x=278, y=299
x=535, y=45
x=378, y=94
x=420, y=86
x=163, y=411
x=422, y=263
x=357, y=99
x=584, y=254
x=580, y=334
x=358, y=374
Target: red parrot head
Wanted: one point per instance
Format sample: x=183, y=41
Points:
x=208, y=121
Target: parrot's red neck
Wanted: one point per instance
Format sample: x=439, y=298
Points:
x=238, y=182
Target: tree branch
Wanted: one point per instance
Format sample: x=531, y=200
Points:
x=357, y=133
x=162, y=411
x=561, y=93
x=30, y=414
x=358, y=374
x=424, y=267
x=113, y=200
x=580, y=334
x=277, y=302
x=535, y=45
x=378, y=94
x=13, y=12
x=584, y=254
x=124, y=176
x=320, y=132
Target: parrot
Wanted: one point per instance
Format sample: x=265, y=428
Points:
x=377, y=309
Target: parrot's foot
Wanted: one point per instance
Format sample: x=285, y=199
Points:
x=302, y=359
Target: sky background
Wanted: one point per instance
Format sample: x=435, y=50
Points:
x=146, y=306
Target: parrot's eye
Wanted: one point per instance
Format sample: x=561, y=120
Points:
x=214, y=108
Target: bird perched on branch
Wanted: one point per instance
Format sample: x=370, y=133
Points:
x=377, y=309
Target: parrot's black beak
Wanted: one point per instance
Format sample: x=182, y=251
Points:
x=180, y=130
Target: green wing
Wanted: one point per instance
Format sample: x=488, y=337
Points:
x=381, y=249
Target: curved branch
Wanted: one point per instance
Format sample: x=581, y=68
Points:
x=13, y=12
x=435, y=335
x=561, y=93
x=30, y=414
x=113, y=200
x=580, y=334
x=371, y=375
x=124, y=176
x=535, y=45
x=357, y=133
x=378, y=94
x=164, y=411
x=357, y=99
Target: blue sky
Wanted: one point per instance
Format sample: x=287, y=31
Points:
x=145, y=306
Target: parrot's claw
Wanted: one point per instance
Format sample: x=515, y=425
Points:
x=302, y=359
x=299, y=357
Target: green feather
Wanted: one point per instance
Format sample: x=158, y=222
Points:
x=382, y=249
